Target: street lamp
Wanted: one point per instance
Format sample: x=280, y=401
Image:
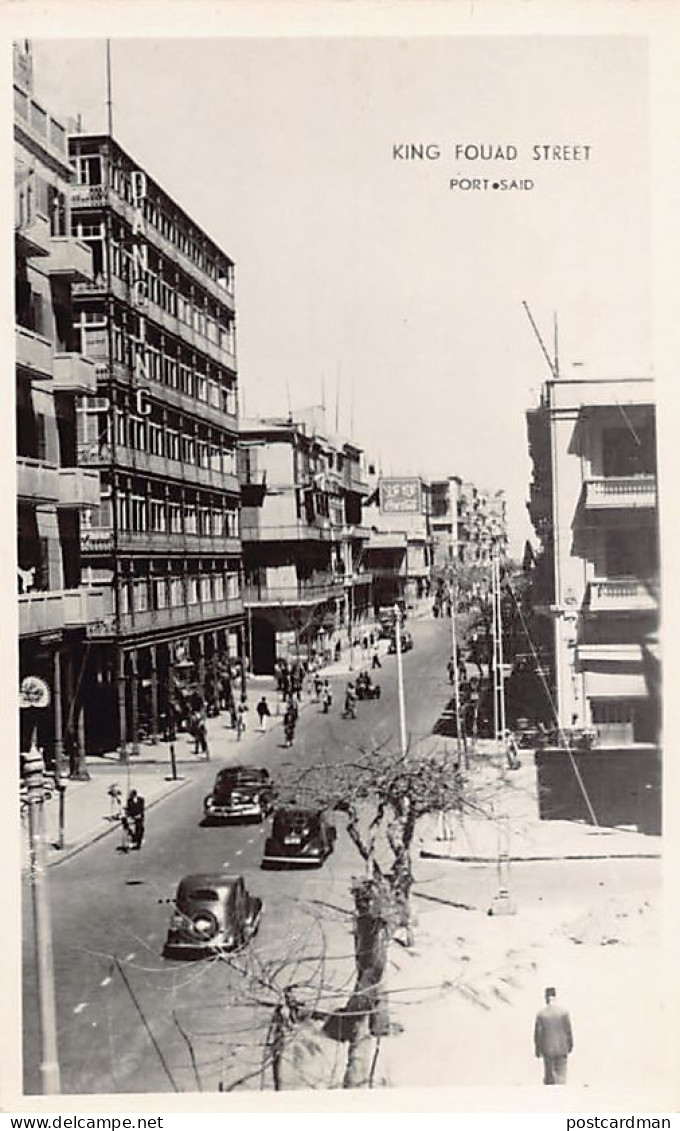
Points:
x=34, y=769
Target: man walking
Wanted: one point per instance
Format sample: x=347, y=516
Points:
x=263, y=712
x=553, y=1038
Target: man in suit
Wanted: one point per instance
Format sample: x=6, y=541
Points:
x=553, y=1038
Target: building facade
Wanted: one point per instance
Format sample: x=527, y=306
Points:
x=56, y=609
x=399, y=550
x=482, y=525
x=307, y=592
x=157, y=318
x=593, y=505
x=445, y=502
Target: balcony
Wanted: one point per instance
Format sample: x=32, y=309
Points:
x=78, y=488
x=82, y=607
x=34, y=355
x=621, y=595
x=187, y=473
x=291, y=532
x=41, y=611
x=300, y=594
x=70, y=259
x=620, y=492
x=89, y=196
x=181, y=616
x=37, y=481
x=32, y=235
x=99, y=540
x=74, y=373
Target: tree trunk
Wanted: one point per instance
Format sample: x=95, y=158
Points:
x=359, y=1055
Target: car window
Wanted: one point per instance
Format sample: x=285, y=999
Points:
x=205, y=895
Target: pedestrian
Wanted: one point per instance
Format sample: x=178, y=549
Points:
x=338, y=651
x=375, y=662
x=326, y=696
x=318, y=686
x=263, y=712
x=241, y=718
x=451, y=669
x=553, y=1038
x=200, y=733
x=289, y=721
x=134, y=818
x=511, y=751
x=350, y=702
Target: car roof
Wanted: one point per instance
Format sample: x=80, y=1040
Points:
x=298, y=811
x=243, y=772
x=209, y=880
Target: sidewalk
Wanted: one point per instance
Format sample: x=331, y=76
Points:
x=88, y=809
x=513, y=826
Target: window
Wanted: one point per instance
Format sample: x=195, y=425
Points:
x=140, y=596
x=175, y=517
x=176, y=591
x=172, y=444
x=157, y=515
x=161, y=593
x=192, y=591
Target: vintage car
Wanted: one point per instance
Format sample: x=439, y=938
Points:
x=213, y=912
x=406, y=642
x=244, y=792
x=366, y=688
x=299, y=836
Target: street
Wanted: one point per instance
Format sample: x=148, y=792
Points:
x=107, y=907
x=131, y=1021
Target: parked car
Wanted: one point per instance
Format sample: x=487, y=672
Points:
x=240, y=792
x=213, y=912
x=299, y=836
x=406, y=642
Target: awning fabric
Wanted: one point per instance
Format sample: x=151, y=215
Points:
x=616, y=685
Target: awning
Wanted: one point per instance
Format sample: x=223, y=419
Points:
x=616, y=685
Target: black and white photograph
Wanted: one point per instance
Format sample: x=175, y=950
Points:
x=339, y=657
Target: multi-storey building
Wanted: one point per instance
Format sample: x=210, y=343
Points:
x=444, y=496
x=481, y=525
x=399, y=551
x=55, y=609
x=593, y=505
x=306, y=588
x=158, y=320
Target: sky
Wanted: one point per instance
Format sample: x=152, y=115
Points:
x=366, y=280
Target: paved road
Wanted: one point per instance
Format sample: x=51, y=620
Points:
x=130, y=1020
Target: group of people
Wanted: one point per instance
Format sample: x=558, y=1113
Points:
x=132, y=817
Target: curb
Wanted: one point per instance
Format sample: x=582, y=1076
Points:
x=68, y=853
x=431, y=855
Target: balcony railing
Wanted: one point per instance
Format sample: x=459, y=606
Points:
x=83, y=607
x=52, y=610
x=78, y=488
x=32, y=231
x=34, y=354
x=70, y=258
x=187, y=473
x=150, y=620
x=74, y=373
x=290, y=532
x=300, y=594
x=621, y=595
x=99, y=540
x=37, y=481
x=620, y=492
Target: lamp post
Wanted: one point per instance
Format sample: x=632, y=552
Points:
x=400, y=680
x=34, y=768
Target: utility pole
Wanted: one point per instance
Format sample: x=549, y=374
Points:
x=460, y=738
x=49, y=1064
x=400, y=680
x=499, y=679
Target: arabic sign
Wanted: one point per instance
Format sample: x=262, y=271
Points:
x=400, y=496
x=34, y=692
